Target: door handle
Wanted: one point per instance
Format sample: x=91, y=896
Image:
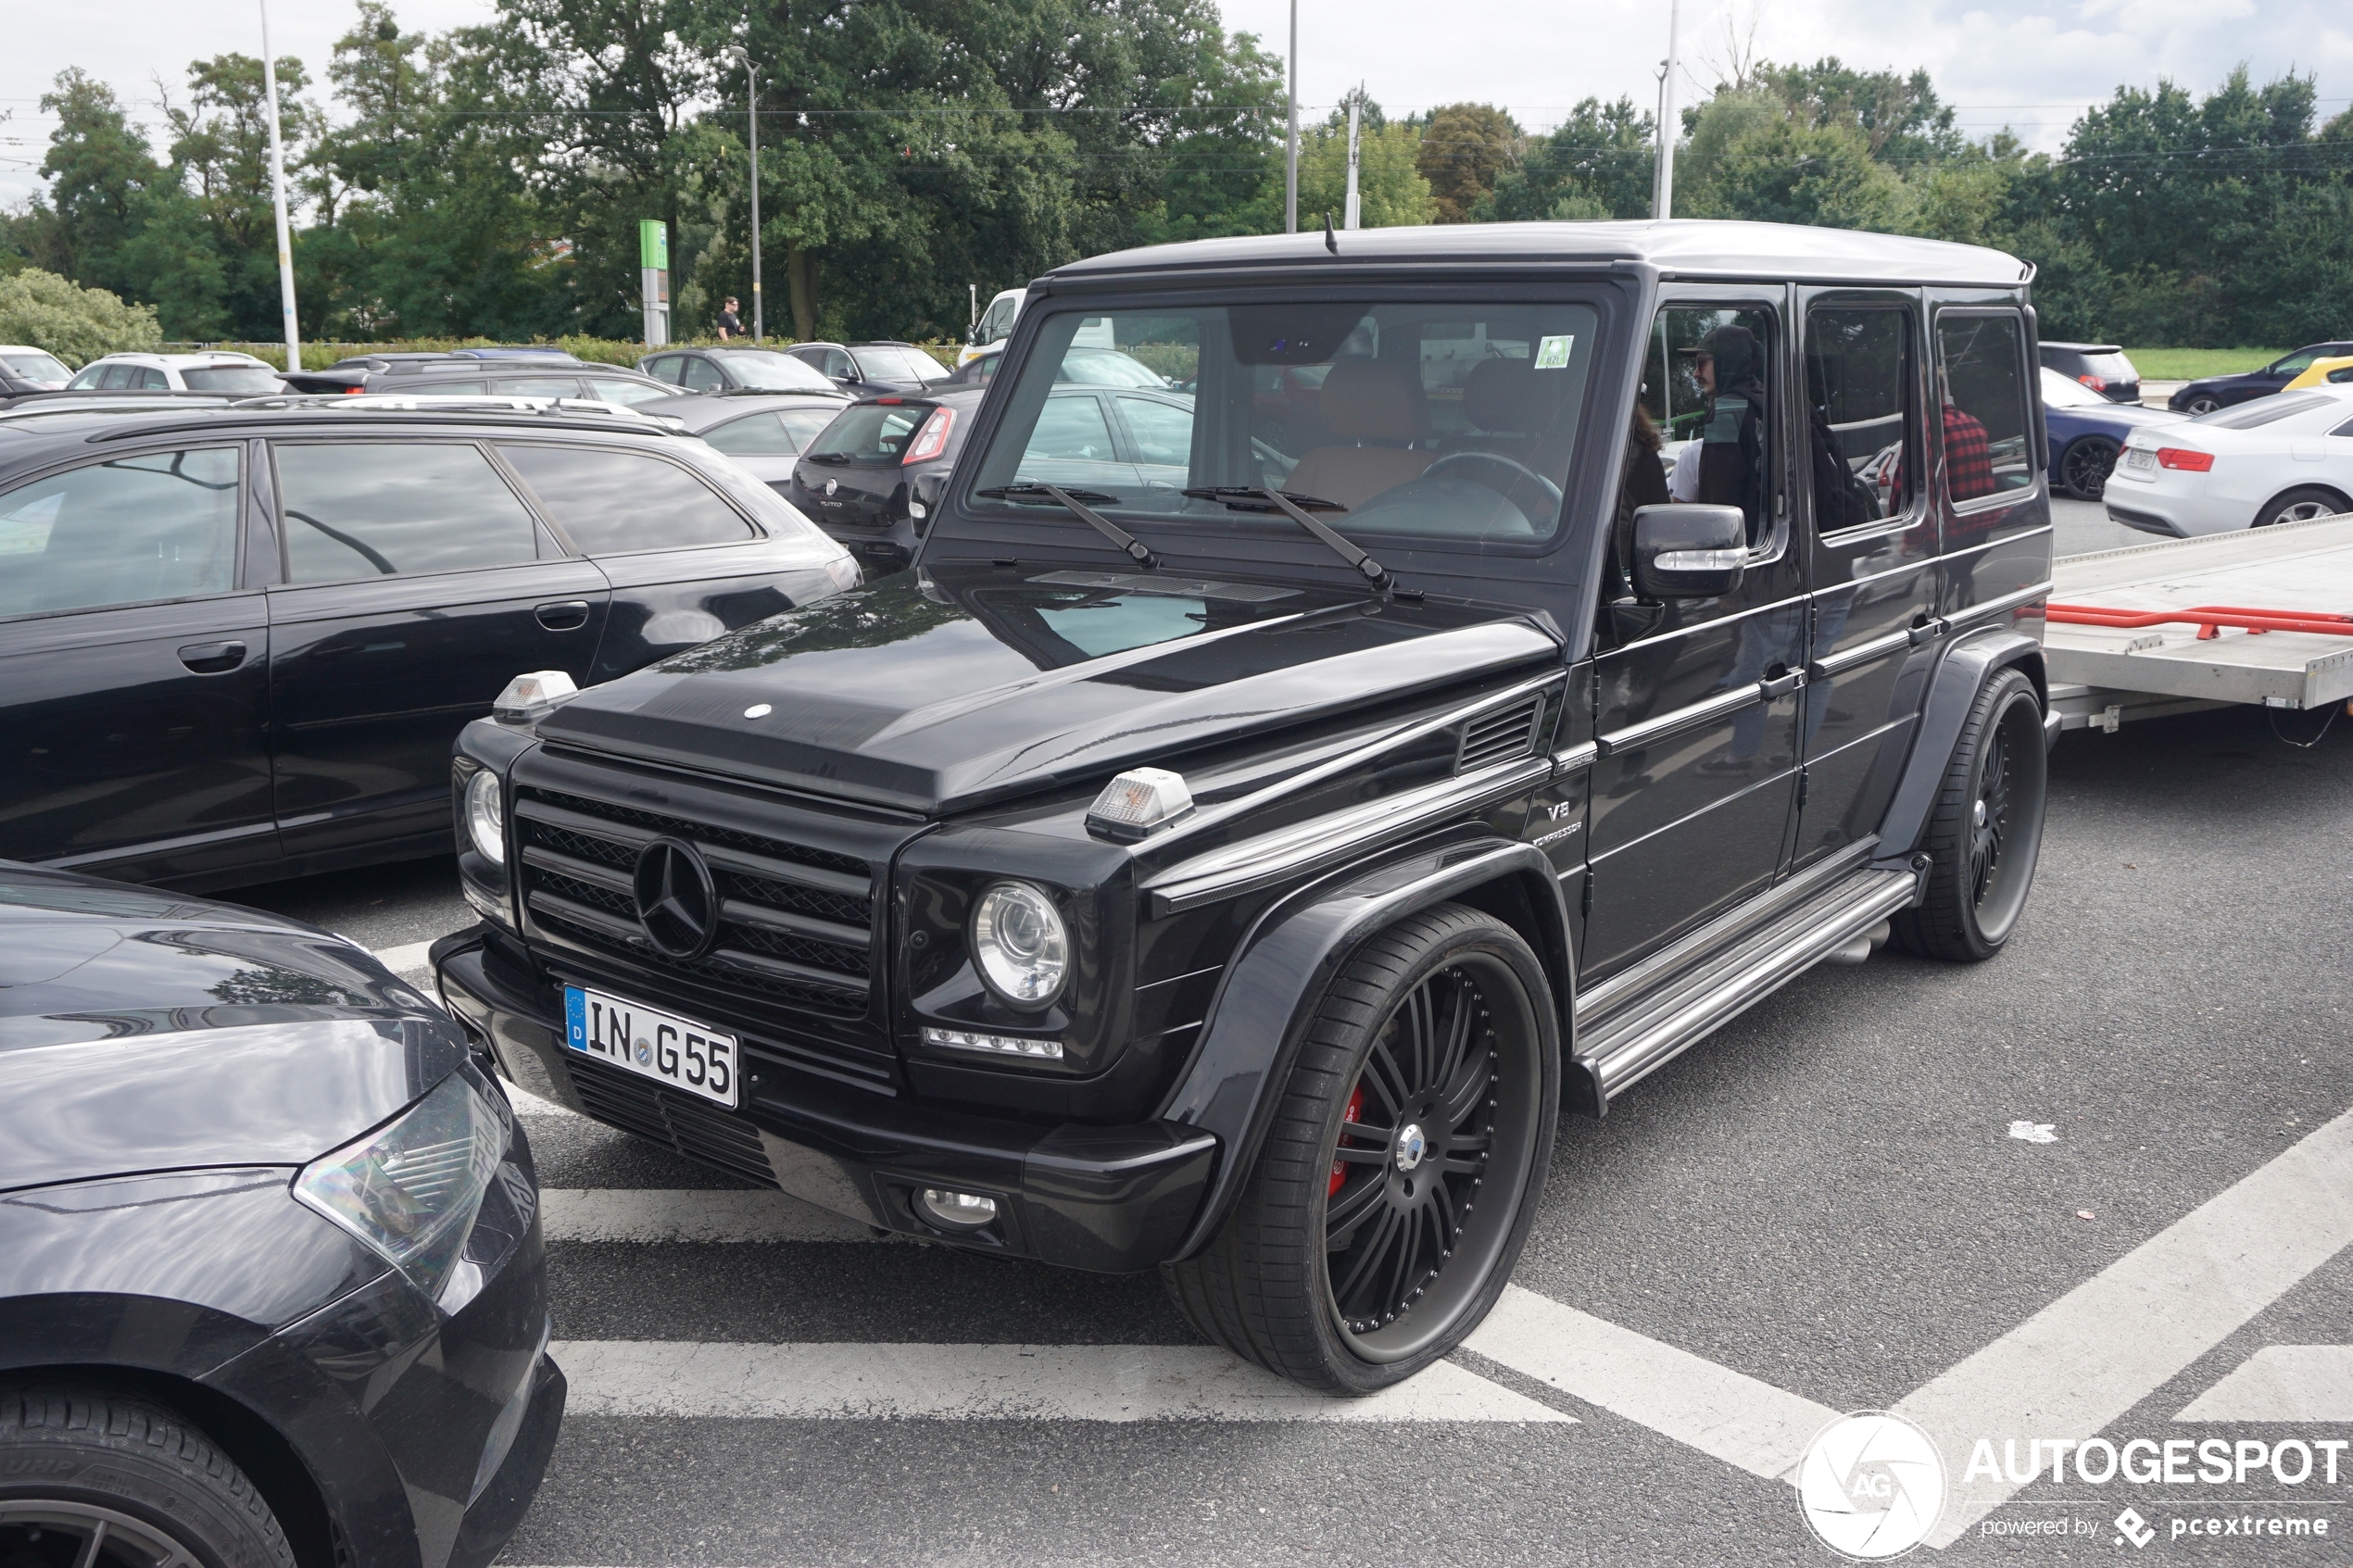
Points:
x=212, y=659
x=1926, y=631
x=569, y=616
x=1782, y=685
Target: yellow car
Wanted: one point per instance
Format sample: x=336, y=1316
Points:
x=2321, y=372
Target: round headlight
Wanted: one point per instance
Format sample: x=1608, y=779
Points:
x=1019, y=942
x=485, y=822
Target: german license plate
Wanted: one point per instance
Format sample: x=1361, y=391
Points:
x=652, y=1043
x=2139, y=457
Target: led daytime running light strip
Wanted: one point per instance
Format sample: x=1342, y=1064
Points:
x=996, y=1044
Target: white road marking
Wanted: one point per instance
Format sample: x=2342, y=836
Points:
x=1727, y=1414
x=528, y=1104
x=1109, y=1383
x=410, y=957
x=2095, y=1352
x=608, y=1214
x=2034, y=1132
x=2309, y=1382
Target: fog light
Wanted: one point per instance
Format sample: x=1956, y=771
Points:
x=1000, y=1044
x=957, y=1211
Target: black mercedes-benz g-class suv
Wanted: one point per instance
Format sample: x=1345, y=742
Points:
x=1236, y=876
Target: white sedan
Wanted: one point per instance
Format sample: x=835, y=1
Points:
x=2284, y=458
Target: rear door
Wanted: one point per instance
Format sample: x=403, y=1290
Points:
x=418, y=584
x=1990, y=486
x=134, y=670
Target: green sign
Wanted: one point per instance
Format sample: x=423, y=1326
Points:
x=653, y=244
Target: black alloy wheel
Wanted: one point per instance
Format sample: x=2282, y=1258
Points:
x=1381, y=1219
x=2204, y=403
x=1985, y=835
x=2085, y=467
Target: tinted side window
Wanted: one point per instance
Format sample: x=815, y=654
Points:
x=162, y=525
x=356, y=510
x=614, y=501
x=700, y=375
x=615, y=390
x=1982, y=389
x=1070, y=428
x=116, y=377
x=540, y=386
x=665, y=369
x=1859, y=383
x=804, y=425
x=754, y=435
x=1164, y=432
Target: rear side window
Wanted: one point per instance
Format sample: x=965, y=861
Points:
x=875, y=433
x=540, y=386
x=613, y=389
x=1070, y=428
x=230, y=378
x=162, y=525
x=1981, y=387
x=355, y=509
x=805, y=425
x=754, y=436
x=700, y=375
x=612, y=501
x=1858, y=379
x=666, y=368
x=2247, y=416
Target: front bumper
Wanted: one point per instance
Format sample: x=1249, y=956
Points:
x=1109, y=1199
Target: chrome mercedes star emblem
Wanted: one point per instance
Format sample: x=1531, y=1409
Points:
x=1411, y=1147
x=676, y=903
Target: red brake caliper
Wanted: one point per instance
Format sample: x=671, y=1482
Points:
x=1355, y=1112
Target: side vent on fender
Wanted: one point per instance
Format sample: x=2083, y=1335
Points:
x=1501, y=736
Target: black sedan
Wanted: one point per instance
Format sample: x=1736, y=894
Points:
x=2204, y=396
x=734, y=370
x=872, y=369
x=238, y=643
x=272, y=1290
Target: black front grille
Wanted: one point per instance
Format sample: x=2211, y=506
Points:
x=699, y=1132
x=1499, y=737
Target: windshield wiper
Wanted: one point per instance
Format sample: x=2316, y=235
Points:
x=1075, y=502
x=1255, y=498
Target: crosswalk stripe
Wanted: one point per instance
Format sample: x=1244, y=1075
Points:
x=1105, y=1383
x=611, y=1215
x=1727, y=1414
x=2311, y=1382
x=2099, y=1350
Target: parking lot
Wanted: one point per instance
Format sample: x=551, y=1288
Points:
x=1967, y=1193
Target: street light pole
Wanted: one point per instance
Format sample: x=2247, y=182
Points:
x=1663, y=182
x=751, y=114
x=278, y=200
x=1291, y=156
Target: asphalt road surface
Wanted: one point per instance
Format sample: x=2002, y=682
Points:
x=2101, y=1185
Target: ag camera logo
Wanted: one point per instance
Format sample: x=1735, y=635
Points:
x=1871, y=1485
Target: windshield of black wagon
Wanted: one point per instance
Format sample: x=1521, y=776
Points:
x=1445, y=422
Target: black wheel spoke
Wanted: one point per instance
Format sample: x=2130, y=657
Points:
x=1388, y=1084
x=1450, y=1223
x=1355, y=1204
x=1458, y=1033
x=1350, y=1156
x=1463, y=1094
x=1451, y=1166
x=1361, y=1129
x=1368, y=1250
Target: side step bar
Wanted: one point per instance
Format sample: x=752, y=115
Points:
x=1620, y=1050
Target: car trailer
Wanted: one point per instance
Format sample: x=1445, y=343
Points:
x=2260, y=617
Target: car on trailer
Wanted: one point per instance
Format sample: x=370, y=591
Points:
x=1234, y=869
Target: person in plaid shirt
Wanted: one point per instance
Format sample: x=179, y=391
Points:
x=1968, y=458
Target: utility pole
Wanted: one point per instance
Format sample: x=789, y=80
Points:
x=1291, y=156
x=278, y=199
x=751, y=114
x=1356, y=107
x=1663, y=182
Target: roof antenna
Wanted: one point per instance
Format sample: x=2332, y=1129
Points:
x=1330, y=243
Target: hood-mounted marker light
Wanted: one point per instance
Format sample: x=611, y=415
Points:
x=532, y=696
x=1138, y=800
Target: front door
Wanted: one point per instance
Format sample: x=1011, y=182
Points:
x=1696, y=699
x=417, y=585
x=133, y=688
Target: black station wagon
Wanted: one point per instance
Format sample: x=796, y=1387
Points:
x=1234, y=872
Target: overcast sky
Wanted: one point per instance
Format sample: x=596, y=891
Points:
x=2030, y=64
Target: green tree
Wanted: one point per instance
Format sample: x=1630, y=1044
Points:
x=75, y=324
x=1598, y=163
x=1465, y=148
x=220, y=166
x=1391, y=188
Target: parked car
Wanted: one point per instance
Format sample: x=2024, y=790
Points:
x=1237, y=879
x=1089, y=366
x=26, y=368
x=856, y=478
x=2086, y=432
x=2103, y=367
x=995, y=325
x=271, y=1282
x=177, y=373
x=761, y=430
x=872, y=370
x=734, y=370
x=484, y=373
x=2209, y=393
x=237, y=643
x=2286, y=459
x=2323, y=371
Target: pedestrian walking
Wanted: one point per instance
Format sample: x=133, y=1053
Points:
x=731, y=326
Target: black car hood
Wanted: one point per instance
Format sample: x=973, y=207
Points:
x=938, y=691
x=148, y=1031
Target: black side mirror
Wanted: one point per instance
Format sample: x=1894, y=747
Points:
x=922, y=499
x=1688, y=551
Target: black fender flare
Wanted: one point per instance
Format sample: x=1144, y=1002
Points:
x=1952, y=686
x=1291, y=953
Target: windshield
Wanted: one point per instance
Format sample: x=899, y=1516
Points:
x=1445, y=421
x=35, y=367
x=777, y=372
x=230, y=378
x=900, y=364
x=2059, y=391
x=869, y=433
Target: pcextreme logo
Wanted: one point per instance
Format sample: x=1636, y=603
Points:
x=1871, y=1485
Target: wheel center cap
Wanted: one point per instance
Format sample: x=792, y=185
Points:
x=1977, y=813
x=1411, y=1147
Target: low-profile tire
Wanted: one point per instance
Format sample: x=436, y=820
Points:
x=1986, y=831
x=1366, y=1245
x=2204, y=403
x=2302, y=504
x=2085, y=467
x=77, y=1463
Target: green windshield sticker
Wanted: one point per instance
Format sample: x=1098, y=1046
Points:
x=1552, y=353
